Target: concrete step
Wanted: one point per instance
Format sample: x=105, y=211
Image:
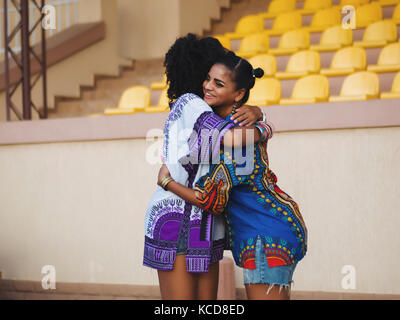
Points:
x=81, y=108
x=115, y=94
x=108, y=90
x=126, y=82
x=7, y=295
x=238, y=9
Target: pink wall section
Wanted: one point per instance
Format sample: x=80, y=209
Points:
x=319, y=116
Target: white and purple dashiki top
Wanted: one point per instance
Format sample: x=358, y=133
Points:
x=192, y=137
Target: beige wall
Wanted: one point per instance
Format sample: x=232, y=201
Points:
x=148, y=28
x=84, y=202
x=195, y=16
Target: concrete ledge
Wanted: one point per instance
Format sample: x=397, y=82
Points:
x=32, y=290
x=319, y=116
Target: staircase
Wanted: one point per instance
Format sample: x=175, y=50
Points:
x=107, y=90
x=238, y=9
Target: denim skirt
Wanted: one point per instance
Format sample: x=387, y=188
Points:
x=281, y=275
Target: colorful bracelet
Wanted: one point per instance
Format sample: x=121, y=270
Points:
x=268, y=130
x=262, y=131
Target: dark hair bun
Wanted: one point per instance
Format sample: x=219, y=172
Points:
x=258, y=73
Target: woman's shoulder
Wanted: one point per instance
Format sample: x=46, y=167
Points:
x=188, y=96
x=190, y=99
x=188, y=105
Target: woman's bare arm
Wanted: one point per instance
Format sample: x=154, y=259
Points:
x=182, y=191
x=241, y=136
x=247, y=115
x=187, y=194
x=200, y=198
x=246, y=133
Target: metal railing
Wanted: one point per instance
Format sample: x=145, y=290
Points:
x=21, y=61
x=66, y=16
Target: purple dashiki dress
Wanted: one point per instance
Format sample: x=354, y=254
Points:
x=192, y=136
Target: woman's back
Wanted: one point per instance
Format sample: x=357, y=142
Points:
x=258, y=207
x=168, y=217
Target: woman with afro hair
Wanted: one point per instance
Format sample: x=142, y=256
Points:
x=181, y=242
x=265, y=230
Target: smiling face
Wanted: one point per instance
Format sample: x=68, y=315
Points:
x=219, y=89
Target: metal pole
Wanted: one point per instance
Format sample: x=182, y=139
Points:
x=44, y=66
x=7, y=73
x=25, y=55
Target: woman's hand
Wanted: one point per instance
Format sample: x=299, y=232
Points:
x=164, y=172
x=247, y=115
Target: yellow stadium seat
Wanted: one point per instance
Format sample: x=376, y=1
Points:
x=310, y=89
x=324, y=19
x=354, y=3
x=285, y=22
x=395, y=93
x=246, y=26
x=385, y=3
x=367, y=14
x=389, y=59
x=162, y=106
x=333, y=39
x=266, y=91
x=361, y=85
x=278, y=6
x=254, y=44
x=159, y=85
x=301, y=64
x=396, y=14
x=134, y=99
x=346, y=61
x=266, y=62
x=311, y=6
x=378, y=34
x=292, y=41
x=225, y=41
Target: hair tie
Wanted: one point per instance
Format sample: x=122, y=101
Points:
x=252, y=72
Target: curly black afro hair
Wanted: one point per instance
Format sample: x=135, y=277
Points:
x=187, y=63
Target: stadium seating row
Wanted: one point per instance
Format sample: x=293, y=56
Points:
x=137, y=99
x=376, y=35
x=304, y=65
x=362, y=85
x=277, y=7
x=344, y=62
x=358, y=86
x=322, y=19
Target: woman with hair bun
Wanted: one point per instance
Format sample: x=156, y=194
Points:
x=182, y=243
x=265, y=230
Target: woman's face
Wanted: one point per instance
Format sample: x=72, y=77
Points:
x=219, y=89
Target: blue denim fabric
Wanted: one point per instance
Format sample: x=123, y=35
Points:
x=281, y=275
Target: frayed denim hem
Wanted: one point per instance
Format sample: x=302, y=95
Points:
x=286, y=287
